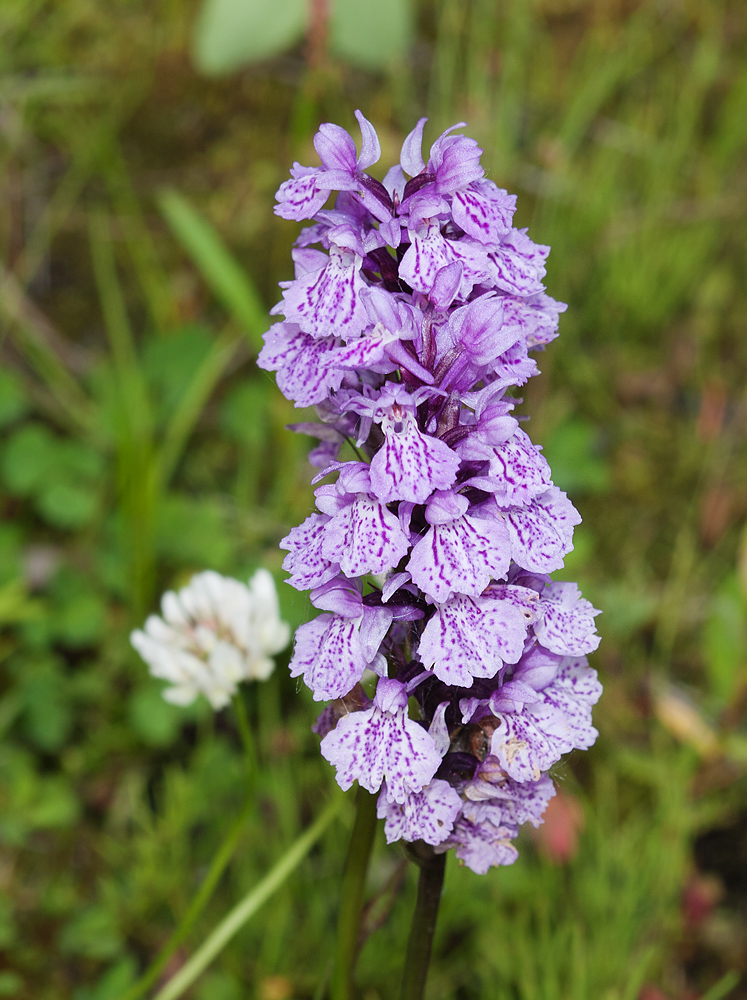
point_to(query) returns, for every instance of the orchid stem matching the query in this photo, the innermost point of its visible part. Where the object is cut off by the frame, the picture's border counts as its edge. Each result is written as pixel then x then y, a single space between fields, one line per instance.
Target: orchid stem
pixel 422 929
pixel 353 887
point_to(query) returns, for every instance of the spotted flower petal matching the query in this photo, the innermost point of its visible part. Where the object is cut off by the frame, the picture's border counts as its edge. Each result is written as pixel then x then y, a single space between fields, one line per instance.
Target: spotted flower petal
pixel 427 815
pixel 461 556
pixel 472 637
pixel 382 743
pixel 542 532
pixel 567 625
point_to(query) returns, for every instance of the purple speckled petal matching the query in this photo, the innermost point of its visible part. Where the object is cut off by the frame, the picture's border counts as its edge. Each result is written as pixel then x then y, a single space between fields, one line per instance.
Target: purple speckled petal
pixel 365 537
pixel 518 264
pixel 484 211
pixel 558 722
pixel 521 471
pixel 329 653
pixel 461 557
pixel 522 744
pixel 472 637
pixel 305 562
pixel 524 801
pixel 378 744
pixel 410 465
pixel 482 839
pixel 303 364
pixel 513 367
pixel 542 532
pixel 430 252
pixel 303 195
pixel 567 626
pixel 427 815
pixel 327 303
pixel 536 318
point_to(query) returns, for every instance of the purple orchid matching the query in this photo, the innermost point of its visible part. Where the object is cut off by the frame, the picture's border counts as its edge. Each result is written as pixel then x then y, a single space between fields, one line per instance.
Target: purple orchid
pixel 456 668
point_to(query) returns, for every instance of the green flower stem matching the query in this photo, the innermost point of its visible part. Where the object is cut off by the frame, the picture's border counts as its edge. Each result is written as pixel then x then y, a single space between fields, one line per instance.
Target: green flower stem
pixel 430 884
pixel 353 887
pixel 217 867
pixel 247 740
pixel 248 906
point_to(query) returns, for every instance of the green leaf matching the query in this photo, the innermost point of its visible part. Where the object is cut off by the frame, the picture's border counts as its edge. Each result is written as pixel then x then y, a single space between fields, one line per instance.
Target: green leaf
pixel 65 505
pixel 372 35
pixel 27 458
pixel 47 716
pixel 244 415
pixel 155 721
pixel 725 638
pixel 575 458
pixel 193 532
pixel 170 363
pixel 11 984
pixel 92 934
pixel 13 402
pixel 225 276
pixel 232 33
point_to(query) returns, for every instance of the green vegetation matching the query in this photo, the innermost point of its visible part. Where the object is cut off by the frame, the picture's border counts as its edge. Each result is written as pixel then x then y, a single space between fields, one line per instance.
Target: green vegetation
pixel 140 444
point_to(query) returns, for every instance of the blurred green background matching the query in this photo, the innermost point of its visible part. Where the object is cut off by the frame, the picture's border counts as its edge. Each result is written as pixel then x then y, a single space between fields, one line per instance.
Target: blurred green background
pixel 141 143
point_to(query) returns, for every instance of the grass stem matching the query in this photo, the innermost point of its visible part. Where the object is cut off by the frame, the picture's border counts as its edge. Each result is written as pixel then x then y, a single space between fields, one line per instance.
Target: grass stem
pixel 248 906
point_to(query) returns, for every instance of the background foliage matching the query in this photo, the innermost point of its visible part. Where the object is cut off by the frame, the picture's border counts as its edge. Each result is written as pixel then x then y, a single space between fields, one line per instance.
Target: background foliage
pixel 140 444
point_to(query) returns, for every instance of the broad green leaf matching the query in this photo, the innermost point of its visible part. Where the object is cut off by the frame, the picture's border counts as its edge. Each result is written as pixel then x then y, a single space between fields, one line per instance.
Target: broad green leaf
pixel 27 458
pixel 155 721
pixel 372 35
pixel 92 934
pixel 47 716
pixel 170 363
pixel 67 505
pixel 231 33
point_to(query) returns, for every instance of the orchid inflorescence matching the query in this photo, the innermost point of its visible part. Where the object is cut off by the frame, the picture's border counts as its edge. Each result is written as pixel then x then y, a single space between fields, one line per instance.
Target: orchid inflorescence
pixel 429 556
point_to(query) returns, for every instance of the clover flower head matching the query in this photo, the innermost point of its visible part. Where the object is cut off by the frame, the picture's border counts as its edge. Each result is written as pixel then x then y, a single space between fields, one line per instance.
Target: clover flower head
pixel 213 634
pixel 411 321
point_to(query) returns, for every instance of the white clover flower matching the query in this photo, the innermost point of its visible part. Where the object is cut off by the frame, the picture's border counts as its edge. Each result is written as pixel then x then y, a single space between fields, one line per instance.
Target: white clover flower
pixel 215 633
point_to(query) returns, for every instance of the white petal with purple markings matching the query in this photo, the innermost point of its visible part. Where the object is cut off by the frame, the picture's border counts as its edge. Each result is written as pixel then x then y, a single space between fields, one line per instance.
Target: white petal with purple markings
pixel 542 532
pixel 382 743
pixel 472 637
pixel 305 562
pixel 427 815
pixel 365 537
pixel 567 625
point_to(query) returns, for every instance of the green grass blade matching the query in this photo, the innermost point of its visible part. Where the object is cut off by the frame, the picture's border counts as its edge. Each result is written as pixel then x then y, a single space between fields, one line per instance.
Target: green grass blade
pixel 249 905
pixel 217 265
pixel 35 337
pixel 187 413
pixel 723 987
